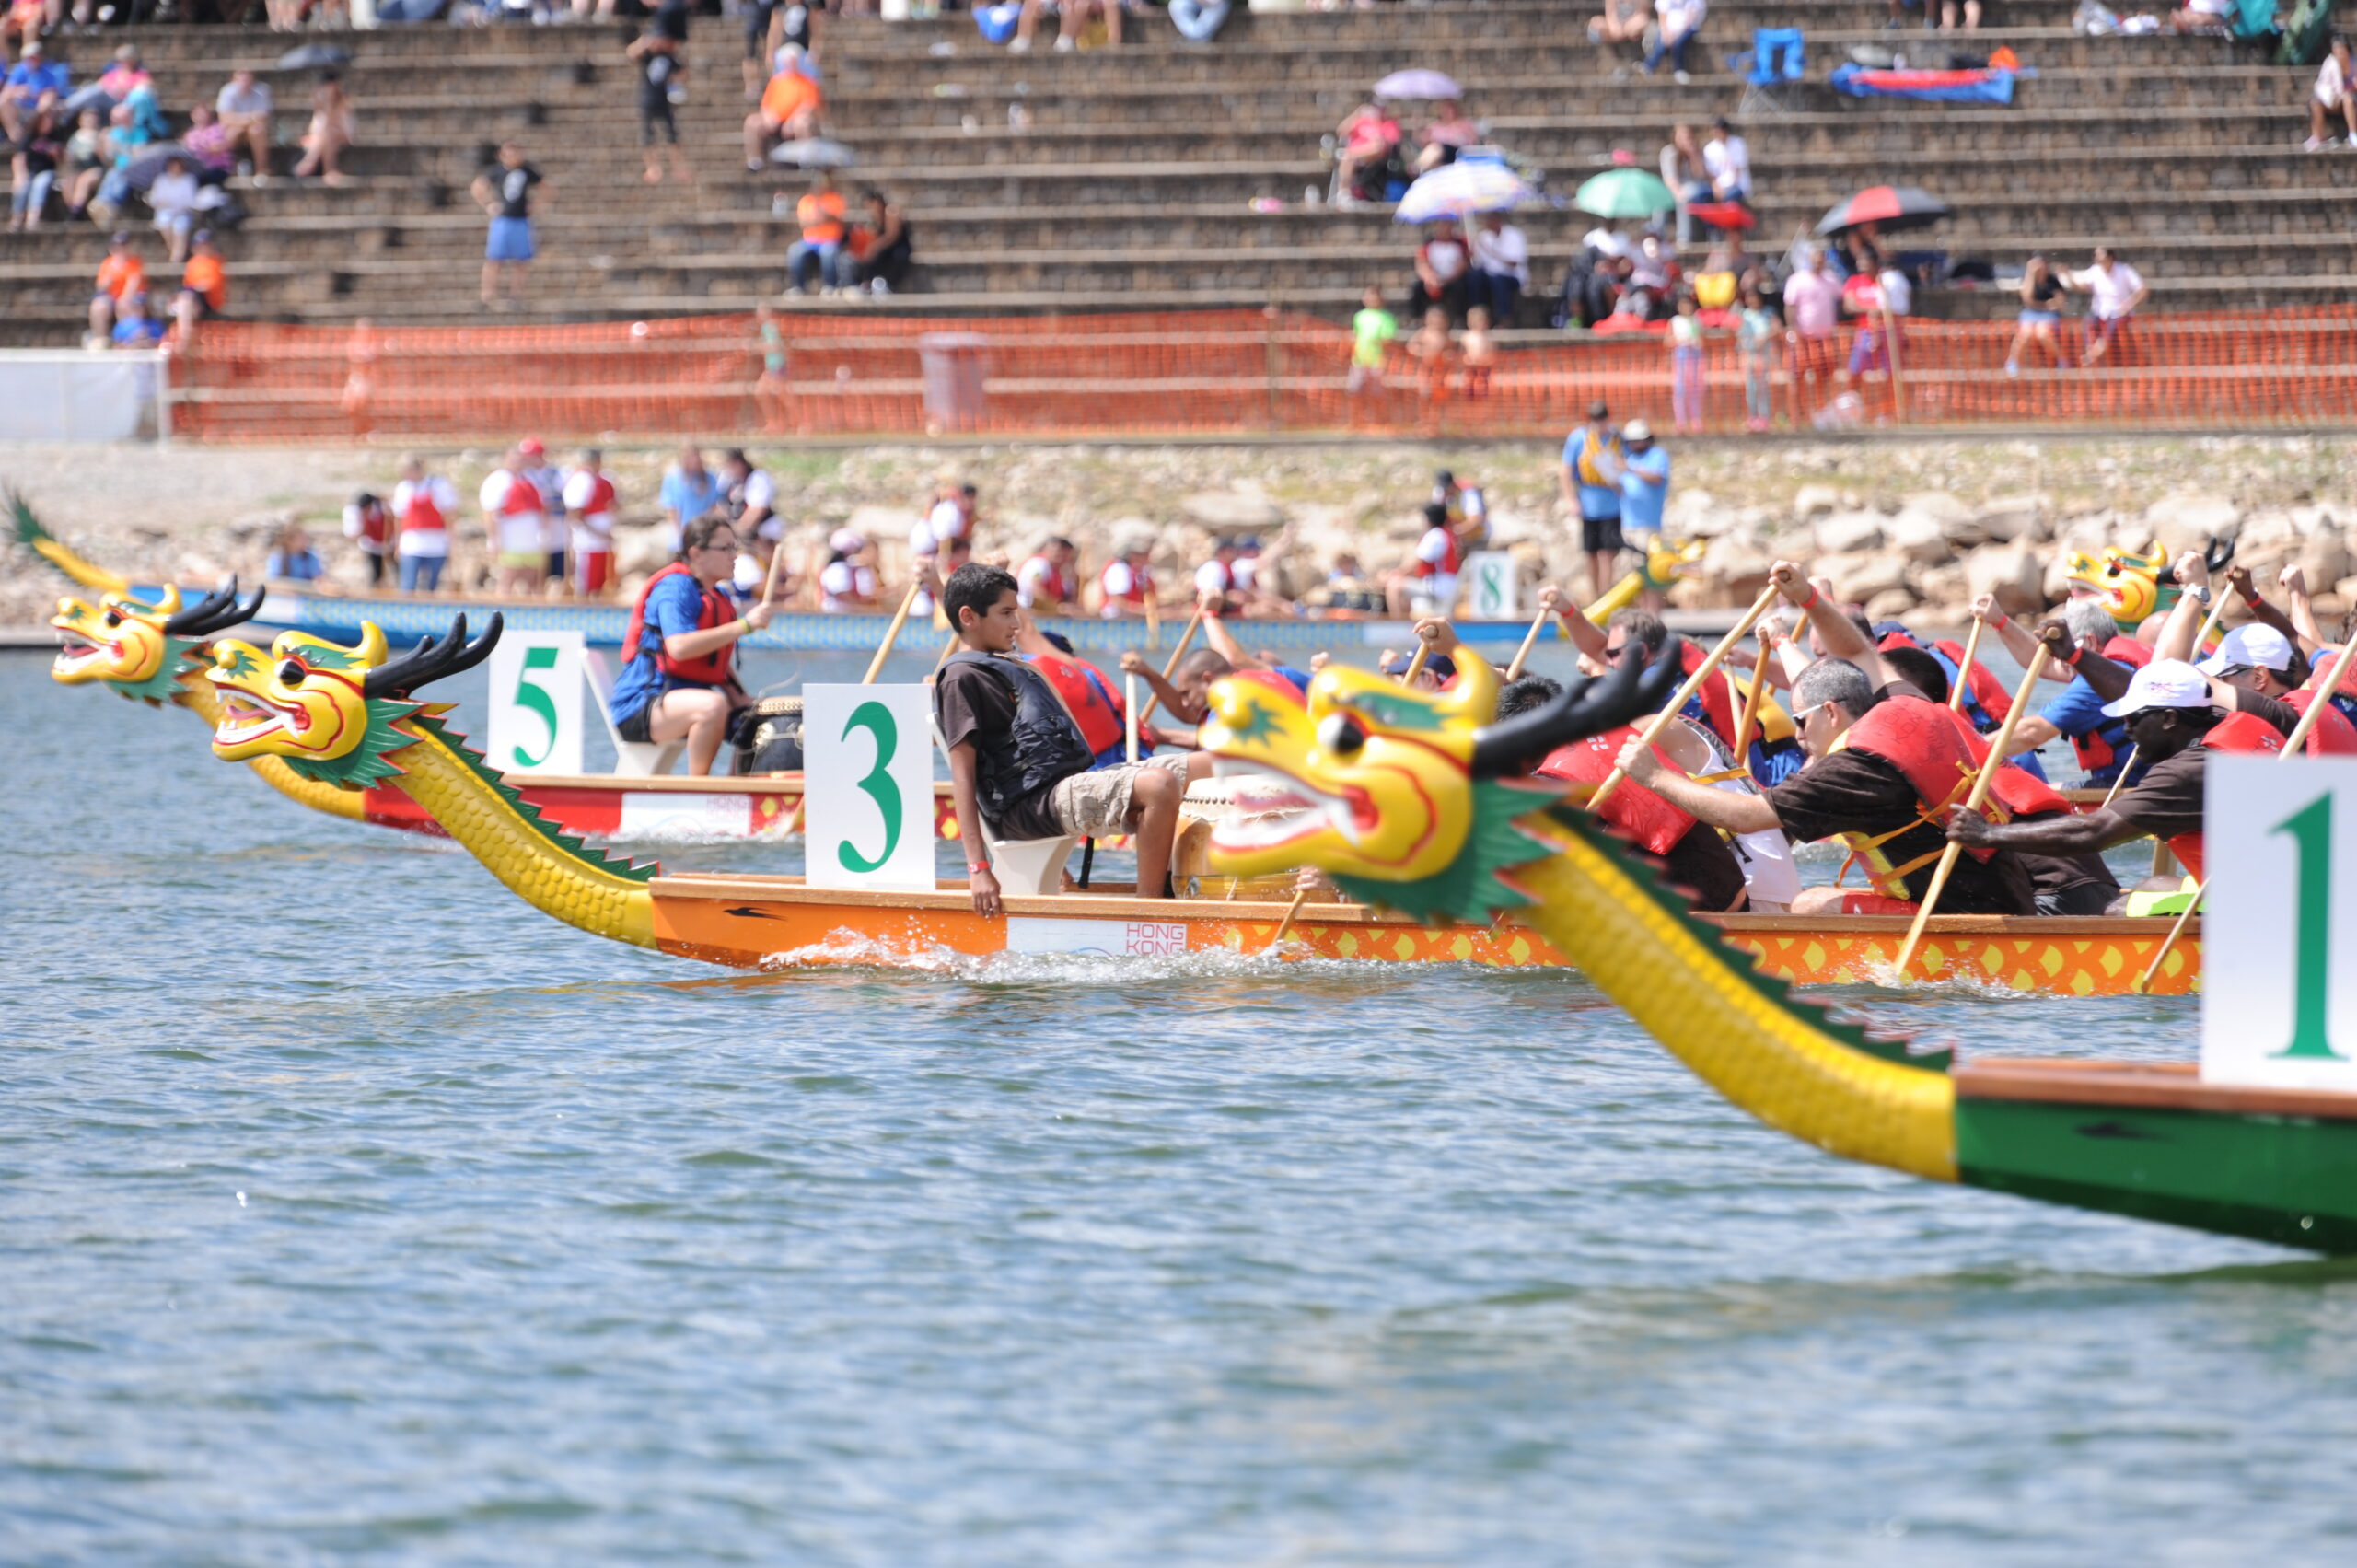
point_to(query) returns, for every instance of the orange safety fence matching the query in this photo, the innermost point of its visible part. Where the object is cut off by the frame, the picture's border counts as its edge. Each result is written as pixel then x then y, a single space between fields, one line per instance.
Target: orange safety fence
pixel 1222 373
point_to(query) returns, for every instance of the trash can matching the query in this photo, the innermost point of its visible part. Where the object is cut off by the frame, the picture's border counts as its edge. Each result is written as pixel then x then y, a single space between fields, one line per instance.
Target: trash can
pixel 955 366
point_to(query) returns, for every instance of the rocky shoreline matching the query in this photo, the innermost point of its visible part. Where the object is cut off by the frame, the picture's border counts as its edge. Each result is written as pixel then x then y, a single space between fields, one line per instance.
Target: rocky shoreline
pixel 1901 525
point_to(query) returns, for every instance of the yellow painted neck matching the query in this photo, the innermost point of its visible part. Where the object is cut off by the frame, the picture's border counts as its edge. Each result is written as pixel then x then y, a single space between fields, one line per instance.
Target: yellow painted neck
pixel 197 695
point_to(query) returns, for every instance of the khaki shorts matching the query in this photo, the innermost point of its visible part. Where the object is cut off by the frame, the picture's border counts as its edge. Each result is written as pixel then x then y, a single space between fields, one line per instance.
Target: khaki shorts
pixel 1096 805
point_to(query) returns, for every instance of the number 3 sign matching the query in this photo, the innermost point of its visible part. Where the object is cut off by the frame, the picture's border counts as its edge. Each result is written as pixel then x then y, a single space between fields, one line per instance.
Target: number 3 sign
pixel 536 703
pixel 2279 928
pixel 867 777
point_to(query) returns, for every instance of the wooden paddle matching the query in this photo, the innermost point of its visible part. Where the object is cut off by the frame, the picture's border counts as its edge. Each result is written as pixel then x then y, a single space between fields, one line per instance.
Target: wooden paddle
pixel 2120 778
pixel 1416 664
pixel 1661 721
pixel 1529 641
pixel 2291 748
pixel 1957 693
pixel 874 669
pixel 1300 898
pixel 1129 717
pixel 1752 701
pixel 1193 623
pixel 1980 783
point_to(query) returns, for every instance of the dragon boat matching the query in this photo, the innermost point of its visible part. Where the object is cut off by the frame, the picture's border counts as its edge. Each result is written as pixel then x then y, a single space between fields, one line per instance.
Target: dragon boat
pixel 1444 830
pixel 346 716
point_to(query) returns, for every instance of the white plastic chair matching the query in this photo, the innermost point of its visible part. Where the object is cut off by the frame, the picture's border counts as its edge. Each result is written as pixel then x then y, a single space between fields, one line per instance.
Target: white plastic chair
pixel 633 759
pixel 1028 866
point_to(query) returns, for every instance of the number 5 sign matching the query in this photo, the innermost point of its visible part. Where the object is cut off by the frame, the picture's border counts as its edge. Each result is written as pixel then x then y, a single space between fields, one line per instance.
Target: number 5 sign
pixel 536 703
pixel 2279 928
pixel 868 781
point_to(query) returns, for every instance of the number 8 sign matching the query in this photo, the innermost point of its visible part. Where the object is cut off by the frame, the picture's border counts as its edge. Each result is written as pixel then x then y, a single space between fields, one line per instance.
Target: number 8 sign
pixel 2278 928
pixel 536 704
pixel 867 777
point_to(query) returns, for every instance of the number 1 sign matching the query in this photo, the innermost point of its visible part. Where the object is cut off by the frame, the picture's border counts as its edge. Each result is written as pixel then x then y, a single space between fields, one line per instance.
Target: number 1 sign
pixel 867 776
pixel 2279 928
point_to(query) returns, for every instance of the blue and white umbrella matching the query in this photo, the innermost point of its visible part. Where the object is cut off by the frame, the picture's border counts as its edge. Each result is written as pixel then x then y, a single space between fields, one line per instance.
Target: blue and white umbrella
pixel 1429 85
pixel 1460 189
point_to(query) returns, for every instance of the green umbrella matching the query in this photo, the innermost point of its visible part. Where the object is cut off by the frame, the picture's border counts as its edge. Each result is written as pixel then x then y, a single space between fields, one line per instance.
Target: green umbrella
pixel 1624 194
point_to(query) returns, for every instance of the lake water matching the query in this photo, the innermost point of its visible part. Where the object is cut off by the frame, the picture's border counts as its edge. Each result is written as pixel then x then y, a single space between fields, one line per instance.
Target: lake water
pixel 352 1212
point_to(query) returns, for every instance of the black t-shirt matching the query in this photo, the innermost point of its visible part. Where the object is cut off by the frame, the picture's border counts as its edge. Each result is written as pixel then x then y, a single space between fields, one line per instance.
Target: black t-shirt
pixel 970 700
pixel 2057 874
pixel 655 69
pixel 512 188
pixel 1850 792
pixel 2169 800
pixel 1702 864
pixel 2046 294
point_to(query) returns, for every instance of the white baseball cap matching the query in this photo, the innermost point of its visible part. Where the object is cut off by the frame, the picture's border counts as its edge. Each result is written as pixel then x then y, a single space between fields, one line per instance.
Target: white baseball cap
pixel 846 542
pixel 2164 683
pixel 1637 430
pixel 2255 646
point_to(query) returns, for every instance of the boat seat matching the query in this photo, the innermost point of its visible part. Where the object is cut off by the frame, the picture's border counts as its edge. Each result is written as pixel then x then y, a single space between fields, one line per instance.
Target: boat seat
pixel 1030 866
pixel 633 759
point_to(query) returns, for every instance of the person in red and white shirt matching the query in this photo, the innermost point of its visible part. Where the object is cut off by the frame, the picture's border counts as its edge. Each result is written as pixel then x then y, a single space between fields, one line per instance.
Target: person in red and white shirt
pixel 512 514
pixel 589 507
pixel 422 507
pixel 1217 576
pixel 368 523
pixel 1428 585
pixel 1043 584
pixel 1126 585
pixel 549 480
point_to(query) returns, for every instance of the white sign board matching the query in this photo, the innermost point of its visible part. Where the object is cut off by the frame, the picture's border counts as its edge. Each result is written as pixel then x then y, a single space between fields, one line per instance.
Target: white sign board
pixel 867 780
pixel 1097 939
pixel 2278 928
pixel 536 703
pixel 1488 593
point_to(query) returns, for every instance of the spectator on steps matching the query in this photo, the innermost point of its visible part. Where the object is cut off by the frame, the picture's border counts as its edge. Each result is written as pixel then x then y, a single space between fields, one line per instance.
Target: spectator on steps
pixel 1442 262
pixel 172 198
pixel 788 111
pixel 884 246
pixel 819 252
pixel 244 106
pixel 660 75
pixel 2040 321
pixel 329 133
pixel 203 292
pixel 1949 17
pixel 2336 94
pixel 2114 290
pixel 1812 308
pixel 1756 333
pixel 33 166
pixel 30 79
pixel 207 140
pixel 1501 267
pixel 1448 133
pixel 1373 331
pixel 1623 21
pixel 1727 158
pixel 115 84
pixel 121 275
pixel 85 162
pixel 1682 171
pixel 1072 18
pixel 1479 349
pixel 1198 21
pixel 505 191
pixel 133 328
pixel 1369 138
pixel 1678 21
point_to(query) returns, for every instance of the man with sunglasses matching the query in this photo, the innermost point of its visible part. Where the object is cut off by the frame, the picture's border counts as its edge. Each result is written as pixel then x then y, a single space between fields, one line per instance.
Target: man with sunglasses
pixel 678 678
pixel 1886 765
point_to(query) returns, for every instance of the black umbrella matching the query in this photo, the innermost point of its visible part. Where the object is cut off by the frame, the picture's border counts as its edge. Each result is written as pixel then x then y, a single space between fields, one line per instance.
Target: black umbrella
pixel 141 171
pixel 314 57
pixel 1891 207
pixel 814 152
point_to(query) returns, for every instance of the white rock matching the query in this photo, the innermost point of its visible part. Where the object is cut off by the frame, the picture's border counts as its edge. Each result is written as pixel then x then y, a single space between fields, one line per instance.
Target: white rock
pixel 1815 500
pixel 1841 533
pixel 1857 578
pixel 2011 572
pixel 1735 561
pixel 881 522
pixel 1937 505
pixel 2188 519
pixel 640 551
pixel 1890 604
pixel 1920 539
pixel 1233 511
pixel 2008 518
pixel 1944 585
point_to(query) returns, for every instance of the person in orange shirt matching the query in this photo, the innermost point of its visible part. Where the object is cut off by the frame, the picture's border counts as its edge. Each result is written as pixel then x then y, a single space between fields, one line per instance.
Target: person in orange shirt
pixel 819 252
pixel 121 275
pixel 205 288
pixel 789 108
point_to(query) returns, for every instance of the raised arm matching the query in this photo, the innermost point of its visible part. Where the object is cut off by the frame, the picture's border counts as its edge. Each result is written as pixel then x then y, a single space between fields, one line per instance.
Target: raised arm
pixel 1586 636
pixel 1841 639
pixel 2019 641
pixel 2192 607
pixel 2107 678
pixel 1167 694
pixel 2239 579
pixel 1222 641
pixel 2294 583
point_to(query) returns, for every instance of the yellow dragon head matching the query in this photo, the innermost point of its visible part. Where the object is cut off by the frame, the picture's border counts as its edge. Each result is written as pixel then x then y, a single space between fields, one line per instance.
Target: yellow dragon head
pixel 1407 798
pixel 332 712
pixel 2128 584
pixel 140 647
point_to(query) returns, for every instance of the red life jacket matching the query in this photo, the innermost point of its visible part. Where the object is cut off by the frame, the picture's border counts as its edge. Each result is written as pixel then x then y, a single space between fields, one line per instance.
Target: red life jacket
pixel 1140 586
pixel 422 516
pixel 601 496
pixel 2128 651
pixel 1451 560
pixel 1098 714
pixel 2333 736
pixel 1650 821
pixel 375 524
pixel 2244 733
pixel 1923 741
pixel 1980 685
pixel 1274 682
pixel 1052 581
pixel 2019 791
pixel 712 668
pixel 1721 706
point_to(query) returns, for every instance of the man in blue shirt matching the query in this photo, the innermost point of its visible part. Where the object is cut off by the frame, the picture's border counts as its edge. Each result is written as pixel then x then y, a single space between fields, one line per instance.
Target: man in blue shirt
pixel 678 678
pixel 2077 716
pixel 133 328
pixel 1644 484
pixel 1591 481
pixel 690 489
pixel 27 79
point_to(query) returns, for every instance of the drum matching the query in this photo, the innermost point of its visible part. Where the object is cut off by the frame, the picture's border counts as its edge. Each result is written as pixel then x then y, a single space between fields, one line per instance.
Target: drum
pixel 769 737
pixel 1769 874
pixel 1208 802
